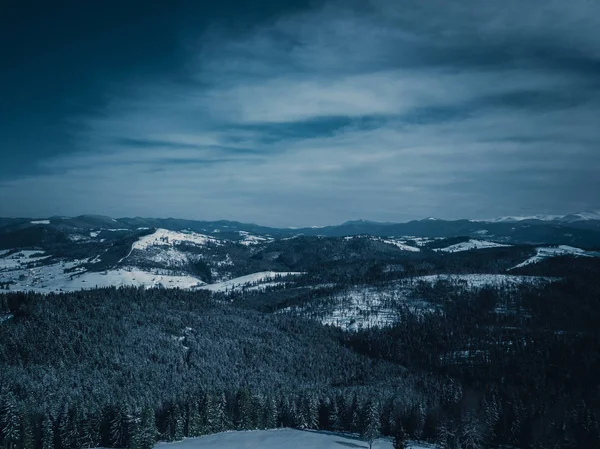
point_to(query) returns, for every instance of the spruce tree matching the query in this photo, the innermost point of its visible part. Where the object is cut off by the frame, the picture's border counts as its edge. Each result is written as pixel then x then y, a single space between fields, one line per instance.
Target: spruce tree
pixel 194 420
pixel 372 426
pixel 400 439
pixel 148 432
pixel 10 423
pixel 47 433
pixel 26 431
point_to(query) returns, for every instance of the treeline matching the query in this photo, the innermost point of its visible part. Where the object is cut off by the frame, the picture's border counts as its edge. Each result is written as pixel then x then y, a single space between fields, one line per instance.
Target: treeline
pixel 120 425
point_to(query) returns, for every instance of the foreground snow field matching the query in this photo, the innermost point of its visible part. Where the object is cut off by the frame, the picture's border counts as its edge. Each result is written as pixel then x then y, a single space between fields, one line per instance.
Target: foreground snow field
pixel 280 439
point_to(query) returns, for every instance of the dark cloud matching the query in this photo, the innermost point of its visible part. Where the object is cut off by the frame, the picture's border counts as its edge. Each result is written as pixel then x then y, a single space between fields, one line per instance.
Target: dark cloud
pixel 309 114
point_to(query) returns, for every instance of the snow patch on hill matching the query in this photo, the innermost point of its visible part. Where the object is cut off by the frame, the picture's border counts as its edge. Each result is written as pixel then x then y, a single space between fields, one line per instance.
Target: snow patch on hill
pixel 164 237
pixel 363 307
pixel 249 239
pixel 471 245
pixel 400 244
pixel 248 282
pixel 554 251
pixel 484 280
pixel 40 222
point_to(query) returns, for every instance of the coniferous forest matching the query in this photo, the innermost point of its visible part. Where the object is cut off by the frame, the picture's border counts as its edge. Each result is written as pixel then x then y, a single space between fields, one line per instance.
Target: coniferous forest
pixel 127 367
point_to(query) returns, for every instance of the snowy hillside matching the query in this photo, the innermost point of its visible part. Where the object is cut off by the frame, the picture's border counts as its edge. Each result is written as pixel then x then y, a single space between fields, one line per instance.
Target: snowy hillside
pixel 164 237
pixel 555 251
pixel 249 282
pixel 281 439
pixel 29 271
pixel 363 307
pixel 470 245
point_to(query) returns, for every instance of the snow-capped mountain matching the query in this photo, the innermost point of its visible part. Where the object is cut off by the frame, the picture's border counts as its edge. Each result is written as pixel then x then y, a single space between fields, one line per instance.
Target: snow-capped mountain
pixel 569 218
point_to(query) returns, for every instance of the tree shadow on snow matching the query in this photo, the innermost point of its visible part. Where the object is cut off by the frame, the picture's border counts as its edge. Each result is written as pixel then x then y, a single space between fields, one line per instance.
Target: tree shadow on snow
pixel 346 443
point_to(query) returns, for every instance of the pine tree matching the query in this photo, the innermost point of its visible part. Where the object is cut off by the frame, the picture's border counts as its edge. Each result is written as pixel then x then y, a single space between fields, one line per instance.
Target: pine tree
pixel 175 424
pixel 353 419
pixel 68 429
pixel 400 439
pixel 194 420
pixel 148 432
pixel 243 410
pixel 334 416
pixel 134 431
pixel 372 426
pixel 311 411
pixel 47 433
pixel 269 414
pixel 471 432
pixel 27 440
pixel 10 423
pixel 119 432
pixel 221 419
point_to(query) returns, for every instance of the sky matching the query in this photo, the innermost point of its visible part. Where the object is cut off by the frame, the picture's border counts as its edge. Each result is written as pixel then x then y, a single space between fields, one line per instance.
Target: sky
pixel 299 113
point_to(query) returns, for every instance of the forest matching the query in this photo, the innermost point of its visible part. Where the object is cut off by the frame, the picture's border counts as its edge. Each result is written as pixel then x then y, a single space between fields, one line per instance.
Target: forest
pixel 126 367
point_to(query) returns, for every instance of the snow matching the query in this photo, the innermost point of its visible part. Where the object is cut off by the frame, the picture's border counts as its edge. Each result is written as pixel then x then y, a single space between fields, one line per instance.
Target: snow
pixel 95 234
pixel 244 282
pixel 554 251
pixel 484 280
pixel 19 259
pixel 401 244
pixel 52 278
pixel 281 438
pixel 470 245
pixel 164 237
pixel 522 218
pixel 363 307
pixel 40 222
pixel 20 270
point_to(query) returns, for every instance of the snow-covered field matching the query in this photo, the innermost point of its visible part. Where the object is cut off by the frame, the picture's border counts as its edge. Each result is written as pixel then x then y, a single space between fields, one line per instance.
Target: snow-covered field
pixel 281 439
pixel 249 282
pixel 554 251
pixel 471 245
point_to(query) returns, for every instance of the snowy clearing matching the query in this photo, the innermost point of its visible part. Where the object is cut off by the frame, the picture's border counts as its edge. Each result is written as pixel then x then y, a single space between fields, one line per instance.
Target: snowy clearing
pixel 471 245
pixel 40 222
pixel 401 244
pixel 279 439
pixel 553 251
pixel 247 282
pixel 164 237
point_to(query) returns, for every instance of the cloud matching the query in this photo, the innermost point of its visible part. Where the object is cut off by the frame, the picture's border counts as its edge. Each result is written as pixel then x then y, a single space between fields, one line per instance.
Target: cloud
pixel 382 110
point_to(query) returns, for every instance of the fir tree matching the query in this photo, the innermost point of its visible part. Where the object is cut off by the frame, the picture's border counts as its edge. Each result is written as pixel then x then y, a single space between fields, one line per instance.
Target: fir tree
pixel 10 423
pixel 372 426
pixel 26 431
pixel 194 420
pixel 148 432
pixel 400 439
pixel 47 433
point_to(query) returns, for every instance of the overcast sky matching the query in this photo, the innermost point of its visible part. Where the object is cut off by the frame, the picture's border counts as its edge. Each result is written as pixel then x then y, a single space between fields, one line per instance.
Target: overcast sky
pixel 292 113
